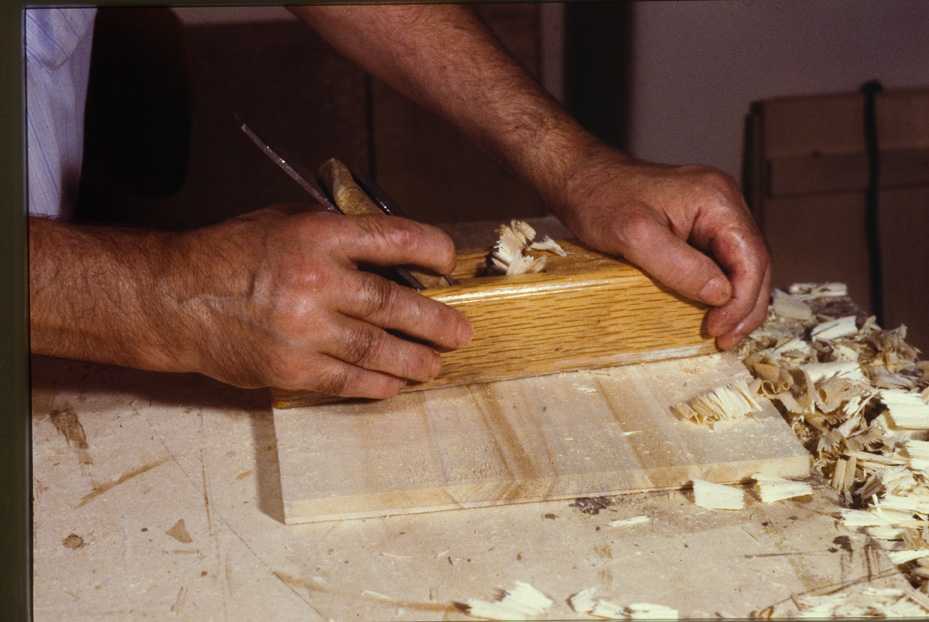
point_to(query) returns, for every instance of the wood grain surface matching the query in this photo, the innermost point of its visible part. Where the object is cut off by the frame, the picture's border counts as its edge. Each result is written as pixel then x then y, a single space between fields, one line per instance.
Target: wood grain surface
pixel 566 435
pixel 587 310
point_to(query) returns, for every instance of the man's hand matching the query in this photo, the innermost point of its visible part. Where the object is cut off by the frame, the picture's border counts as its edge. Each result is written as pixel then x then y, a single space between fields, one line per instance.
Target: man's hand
pixel 272 298
pixel 687 226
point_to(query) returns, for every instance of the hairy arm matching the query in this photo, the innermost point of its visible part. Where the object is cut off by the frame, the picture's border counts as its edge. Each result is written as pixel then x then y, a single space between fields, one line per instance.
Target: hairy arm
pixel 445 59
pixel 92 294
pixel 687 226
pixel 272 298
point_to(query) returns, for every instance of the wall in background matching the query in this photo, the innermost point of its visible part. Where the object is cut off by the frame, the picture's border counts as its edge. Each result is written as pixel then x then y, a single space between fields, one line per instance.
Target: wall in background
pixel 697 66
pixel 693 68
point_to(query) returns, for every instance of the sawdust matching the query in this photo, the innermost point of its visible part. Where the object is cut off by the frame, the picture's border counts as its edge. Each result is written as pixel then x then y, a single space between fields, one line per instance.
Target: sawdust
pixel 179 532
pixel 73 542
pixel 591 505
pixel 69 426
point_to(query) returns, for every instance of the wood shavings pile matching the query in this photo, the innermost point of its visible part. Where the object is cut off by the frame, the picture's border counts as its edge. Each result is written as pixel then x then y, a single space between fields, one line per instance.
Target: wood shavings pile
pixel 857 396
pixel 510 254
pixel 870 602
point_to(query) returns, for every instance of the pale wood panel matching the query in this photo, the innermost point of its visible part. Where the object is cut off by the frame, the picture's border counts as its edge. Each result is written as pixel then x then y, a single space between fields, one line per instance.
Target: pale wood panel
pixel 586 310
pixel 560 436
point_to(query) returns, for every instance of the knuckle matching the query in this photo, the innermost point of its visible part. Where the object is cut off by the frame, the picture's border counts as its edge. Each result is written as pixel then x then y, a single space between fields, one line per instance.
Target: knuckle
pixel 445 249
pixel 378 296
pixel 637 227
pixel 718 186
pixel 411 237
pixel 361 344
pixel 333 380
pixel 416 364
pixel 711 177
pixel 385 230
pixel 286 370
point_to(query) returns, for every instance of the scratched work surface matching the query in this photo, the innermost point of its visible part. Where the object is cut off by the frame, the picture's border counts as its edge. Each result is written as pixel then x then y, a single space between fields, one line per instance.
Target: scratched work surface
pixel 583 433
pixel 158 497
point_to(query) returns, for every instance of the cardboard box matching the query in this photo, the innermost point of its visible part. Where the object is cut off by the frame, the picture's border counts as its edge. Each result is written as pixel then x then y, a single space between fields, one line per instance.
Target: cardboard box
pixel 806 179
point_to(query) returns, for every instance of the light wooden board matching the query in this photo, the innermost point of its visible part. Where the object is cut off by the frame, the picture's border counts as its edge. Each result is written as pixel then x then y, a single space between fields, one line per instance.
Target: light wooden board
pixel 584 433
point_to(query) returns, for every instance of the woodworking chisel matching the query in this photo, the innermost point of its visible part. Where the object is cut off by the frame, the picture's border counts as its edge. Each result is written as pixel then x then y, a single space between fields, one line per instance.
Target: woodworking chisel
pixel 376 200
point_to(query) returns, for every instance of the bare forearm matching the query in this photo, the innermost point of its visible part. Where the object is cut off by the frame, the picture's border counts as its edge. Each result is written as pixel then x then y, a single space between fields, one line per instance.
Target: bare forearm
pixel 270 298
pixel 444 58
pixel 99 294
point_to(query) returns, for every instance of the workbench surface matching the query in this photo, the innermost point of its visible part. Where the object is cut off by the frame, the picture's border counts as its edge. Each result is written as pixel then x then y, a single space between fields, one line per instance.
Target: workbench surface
pixel 158 496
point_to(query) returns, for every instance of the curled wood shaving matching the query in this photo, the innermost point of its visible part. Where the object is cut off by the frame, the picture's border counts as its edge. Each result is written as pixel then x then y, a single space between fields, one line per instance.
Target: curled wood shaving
pixel 635 520
pixel 730 402
pixel 833 329
pixel 902 557
pixel 583 601
pixel 510 256
pixel 608 610
pixel 868 602
pixel 790 306
pixel 648 611
pixel 550 245
pixel 819 290
pixel 907 410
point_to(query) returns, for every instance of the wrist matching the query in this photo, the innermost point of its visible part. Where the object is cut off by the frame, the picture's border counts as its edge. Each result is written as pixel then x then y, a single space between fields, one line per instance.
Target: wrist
pixel 569 165
pixel 95 295
pixel 171 320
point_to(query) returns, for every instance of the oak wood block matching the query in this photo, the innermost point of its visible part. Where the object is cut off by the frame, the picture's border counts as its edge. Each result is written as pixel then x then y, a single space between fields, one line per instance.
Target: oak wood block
pixel 586 310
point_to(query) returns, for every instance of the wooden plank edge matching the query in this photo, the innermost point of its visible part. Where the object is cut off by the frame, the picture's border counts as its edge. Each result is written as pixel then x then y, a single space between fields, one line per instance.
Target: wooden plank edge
pixel 493 494
pixel 284 400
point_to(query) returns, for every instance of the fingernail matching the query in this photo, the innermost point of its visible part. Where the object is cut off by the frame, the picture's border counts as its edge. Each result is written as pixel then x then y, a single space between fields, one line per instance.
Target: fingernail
pixel 715 292
pixel 465 332
pixel 436 366
pixel 730 340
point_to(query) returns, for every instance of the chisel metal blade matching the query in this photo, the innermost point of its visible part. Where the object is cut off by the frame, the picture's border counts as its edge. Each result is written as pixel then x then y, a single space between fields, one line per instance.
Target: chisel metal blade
pixel 275 153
